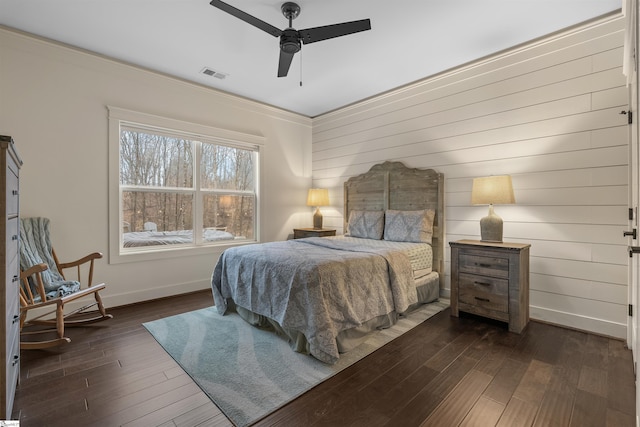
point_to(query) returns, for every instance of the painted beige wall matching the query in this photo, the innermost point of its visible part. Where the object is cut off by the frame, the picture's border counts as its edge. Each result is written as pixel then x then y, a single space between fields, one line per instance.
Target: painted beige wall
pixel 546 113
pixel 54 104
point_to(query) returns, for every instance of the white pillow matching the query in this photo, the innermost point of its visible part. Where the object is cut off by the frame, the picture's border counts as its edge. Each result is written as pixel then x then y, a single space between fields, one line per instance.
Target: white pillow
pixel 409 226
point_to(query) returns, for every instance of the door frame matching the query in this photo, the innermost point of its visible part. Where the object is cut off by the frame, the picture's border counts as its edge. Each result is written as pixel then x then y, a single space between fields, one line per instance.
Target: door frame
pixel 632 63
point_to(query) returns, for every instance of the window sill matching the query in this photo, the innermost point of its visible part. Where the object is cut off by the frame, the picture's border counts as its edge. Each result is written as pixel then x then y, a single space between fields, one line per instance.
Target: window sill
pixel 162 253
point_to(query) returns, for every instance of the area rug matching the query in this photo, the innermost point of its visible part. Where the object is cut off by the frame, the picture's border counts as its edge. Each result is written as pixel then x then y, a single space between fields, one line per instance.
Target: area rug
pixel 248 372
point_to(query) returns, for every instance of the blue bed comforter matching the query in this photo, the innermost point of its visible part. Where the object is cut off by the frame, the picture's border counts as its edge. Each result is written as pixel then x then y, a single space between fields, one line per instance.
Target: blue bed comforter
pixel 318 286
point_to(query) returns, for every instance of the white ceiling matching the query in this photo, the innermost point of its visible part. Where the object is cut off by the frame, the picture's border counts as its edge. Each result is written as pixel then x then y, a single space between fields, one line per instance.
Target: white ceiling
pixel 409 40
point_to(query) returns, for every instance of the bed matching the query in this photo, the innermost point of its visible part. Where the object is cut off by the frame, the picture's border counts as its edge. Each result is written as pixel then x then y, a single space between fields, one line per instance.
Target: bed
pixel 157 238
pixel 325 294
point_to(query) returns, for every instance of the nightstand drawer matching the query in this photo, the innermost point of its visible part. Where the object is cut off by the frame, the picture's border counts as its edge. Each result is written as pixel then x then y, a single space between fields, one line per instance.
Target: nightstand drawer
pixel 486 292
pixel 484 265
pixel 484 312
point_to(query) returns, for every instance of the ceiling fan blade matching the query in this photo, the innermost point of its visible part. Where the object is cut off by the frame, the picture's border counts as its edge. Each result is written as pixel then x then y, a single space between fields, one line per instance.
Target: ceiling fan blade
pixel 285 63
pixel 312 35
pixel 276 32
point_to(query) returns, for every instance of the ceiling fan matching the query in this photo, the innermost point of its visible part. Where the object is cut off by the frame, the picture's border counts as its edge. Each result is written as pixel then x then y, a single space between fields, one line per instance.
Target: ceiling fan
pixel 290 38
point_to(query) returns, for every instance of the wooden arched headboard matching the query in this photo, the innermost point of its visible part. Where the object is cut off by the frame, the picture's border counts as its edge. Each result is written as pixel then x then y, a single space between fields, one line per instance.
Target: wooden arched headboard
pixel 392 185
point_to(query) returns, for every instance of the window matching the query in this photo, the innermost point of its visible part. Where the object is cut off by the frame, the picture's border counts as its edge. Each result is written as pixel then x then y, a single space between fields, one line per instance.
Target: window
pixel 180 189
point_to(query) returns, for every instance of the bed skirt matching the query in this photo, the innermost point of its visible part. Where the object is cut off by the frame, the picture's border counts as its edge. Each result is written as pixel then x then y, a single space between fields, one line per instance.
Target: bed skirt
pixel 428 288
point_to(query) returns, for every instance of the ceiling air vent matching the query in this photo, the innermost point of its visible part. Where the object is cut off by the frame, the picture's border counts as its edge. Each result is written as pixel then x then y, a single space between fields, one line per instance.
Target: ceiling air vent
pixel 213 73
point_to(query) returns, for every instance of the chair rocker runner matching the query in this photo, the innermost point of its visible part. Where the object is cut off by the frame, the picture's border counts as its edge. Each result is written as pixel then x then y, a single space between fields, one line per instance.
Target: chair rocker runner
pixel 44 290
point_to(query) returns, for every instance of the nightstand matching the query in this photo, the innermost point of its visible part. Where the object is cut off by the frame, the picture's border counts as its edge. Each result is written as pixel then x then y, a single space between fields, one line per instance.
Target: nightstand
pixel 299 233
pixel 491 280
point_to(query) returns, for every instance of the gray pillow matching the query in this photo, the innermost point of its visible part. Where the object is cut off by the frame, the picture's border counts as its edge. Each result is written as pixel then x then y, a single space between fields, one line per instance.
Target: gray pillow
pixel 409 226
pixel 366 224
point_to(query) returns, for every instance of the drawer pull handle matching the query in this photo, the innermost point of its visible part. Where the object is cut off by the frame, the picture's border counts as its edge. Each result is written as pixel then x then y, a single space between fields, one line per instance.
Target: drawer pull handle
pixel 14 192
pixel 482 283
pixel 479 264
pixel 483 299
pixel 14 237
pixel 15 361
pixel 15 319
pixel 15 278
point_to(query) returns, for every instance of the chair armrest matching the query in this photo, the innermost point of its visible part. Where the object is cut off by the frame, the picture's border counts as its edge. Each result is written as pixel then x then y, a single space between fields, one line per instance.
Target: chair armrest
pixel 77 264
pixel 38 268
pixel 83 260
pixel 57 301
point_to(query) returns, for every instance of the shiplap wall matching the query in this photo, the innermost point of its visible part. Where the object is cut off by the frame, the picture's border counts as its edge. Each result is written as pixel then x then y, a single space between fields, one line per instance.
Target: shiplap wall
pixel 548 114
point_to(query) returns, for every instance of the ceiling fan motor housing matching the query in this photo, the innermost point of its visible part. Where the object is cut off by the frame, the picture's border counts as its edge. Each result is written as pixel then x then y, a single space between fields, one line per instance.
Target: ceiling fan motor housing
pixel 290 41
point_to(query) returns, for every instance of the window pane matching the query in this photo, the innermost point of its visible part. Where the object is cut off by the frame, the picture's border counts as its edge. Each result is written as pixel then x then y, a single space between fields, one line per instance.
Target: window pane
pixel 226 168
pixel 234 214
pixel 156 218
pixel 155 160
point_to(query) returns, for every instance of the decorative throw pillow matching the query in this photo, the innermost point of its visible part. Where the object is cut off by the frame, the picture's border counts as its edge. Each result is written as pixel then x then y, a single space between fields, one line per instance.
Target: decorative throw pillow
pixel 366 224
pixel 409 226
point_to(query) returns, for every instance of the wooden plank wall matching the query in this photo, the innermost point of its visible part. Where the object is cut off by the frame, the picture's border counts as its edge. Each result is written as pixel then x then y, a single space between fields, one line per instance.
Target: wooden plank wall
pixel 548 114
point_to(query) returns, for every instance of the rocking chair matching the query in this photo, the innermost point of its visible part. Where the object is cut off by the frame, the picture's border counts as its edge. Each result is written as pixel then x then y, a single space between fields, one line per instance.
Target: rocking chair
pixel 44 290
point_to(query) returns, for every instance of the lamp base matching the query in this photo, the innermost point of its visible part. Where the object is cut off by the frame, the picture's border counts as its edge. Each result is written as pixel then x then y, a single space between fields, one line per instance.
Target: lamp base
pixel 491 227
pixel 317 219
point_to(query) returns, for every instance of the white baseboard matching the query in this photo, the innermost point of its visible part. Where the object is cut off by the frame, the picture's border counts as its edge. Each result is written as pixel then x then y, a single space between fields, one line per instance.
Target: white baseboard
pixel 130 297
pixel 571 320
pixel 154 293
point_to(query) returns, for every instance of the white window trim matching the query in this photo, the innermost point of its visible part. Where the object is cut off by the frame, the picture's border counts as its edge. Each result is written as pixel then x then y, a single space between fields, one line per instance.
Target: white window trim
pixel 227 137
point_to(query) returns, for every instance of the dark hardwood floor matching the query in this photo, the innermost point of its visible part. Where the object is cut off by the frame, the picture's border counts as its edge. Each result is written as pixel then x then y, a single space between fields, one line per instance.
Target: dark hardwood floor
pixel 446 372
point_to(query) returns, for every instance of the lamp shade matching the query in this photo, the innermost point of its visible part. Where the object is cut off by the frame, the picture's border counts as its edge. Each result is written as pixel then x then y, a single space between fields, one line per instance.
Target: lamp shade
pixel 492 190
pixel 318 197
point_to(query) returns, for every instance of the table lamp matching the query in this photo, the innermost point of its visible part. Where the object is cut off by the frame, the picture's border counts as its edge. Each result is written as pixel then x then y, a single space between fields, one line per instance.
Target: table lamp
pixel 317 197
pixel 492 190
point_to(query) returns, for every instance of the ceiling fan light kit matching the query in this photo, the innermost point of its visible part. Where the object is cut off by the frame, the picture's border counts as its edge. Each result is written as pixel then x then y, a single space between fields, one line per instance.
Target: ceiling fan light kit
pixel 291 39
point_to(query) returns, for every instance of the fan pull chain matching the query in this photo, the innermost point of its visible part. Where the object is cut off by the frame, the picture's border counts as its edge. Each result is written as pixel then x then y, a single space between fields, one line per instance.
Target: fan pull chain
pixel 301 68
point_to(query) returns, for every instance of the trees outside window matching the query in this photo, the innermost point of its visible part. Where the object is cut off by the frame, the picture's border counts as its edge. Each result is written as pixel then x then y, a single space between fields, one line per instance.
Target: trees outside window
pixel 180 189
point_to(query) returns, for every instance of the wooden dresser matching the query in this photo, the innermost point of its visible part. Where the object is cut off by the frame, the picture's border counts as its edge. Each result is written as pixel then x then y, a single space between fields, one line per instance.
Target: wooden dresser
pixel 10 264
pixel 299 233
pixel 491 280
